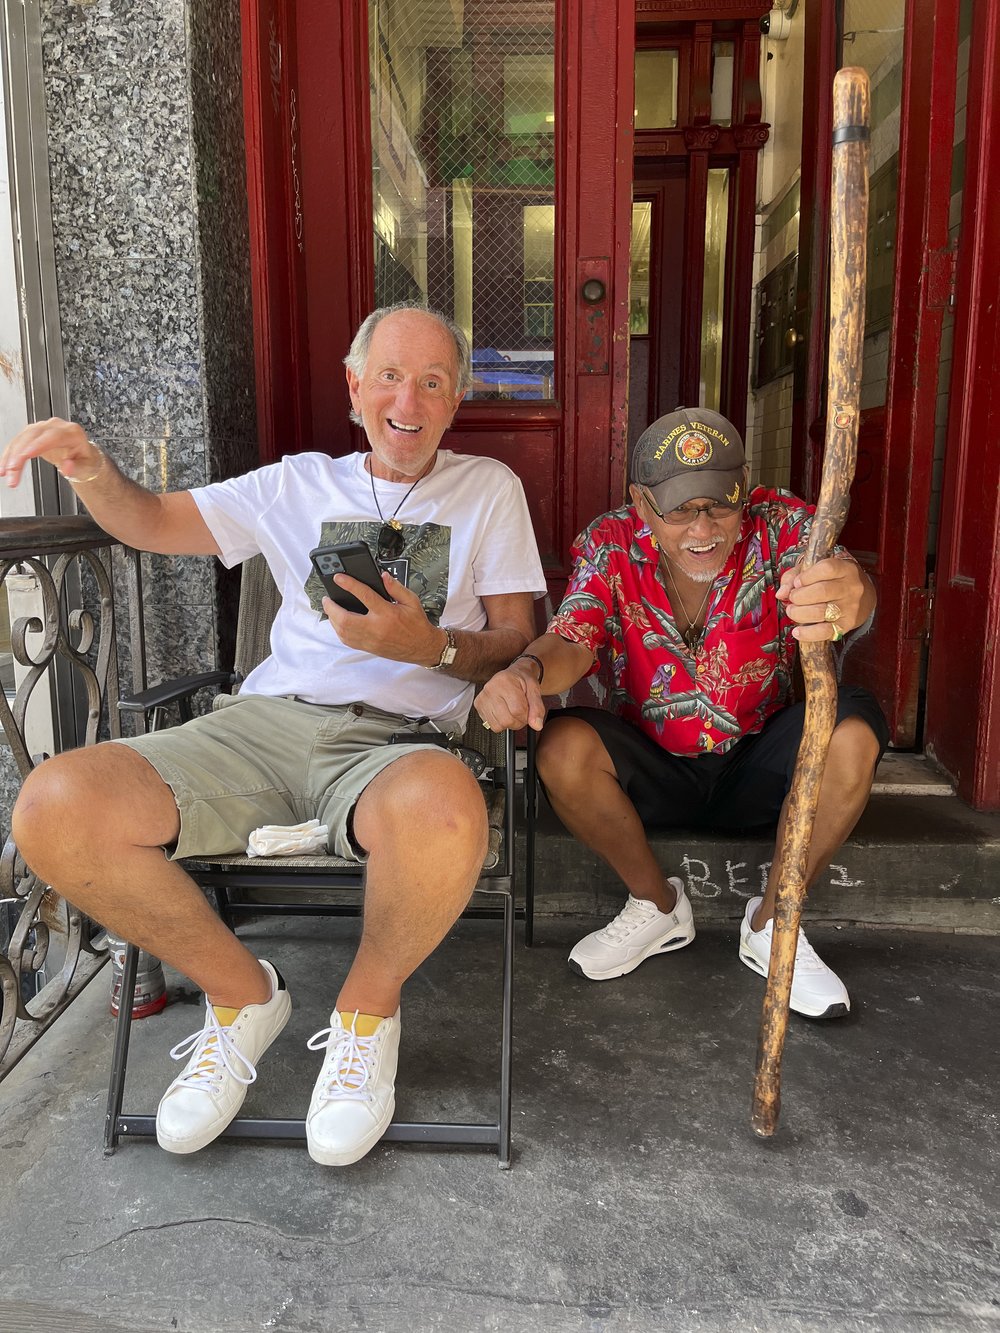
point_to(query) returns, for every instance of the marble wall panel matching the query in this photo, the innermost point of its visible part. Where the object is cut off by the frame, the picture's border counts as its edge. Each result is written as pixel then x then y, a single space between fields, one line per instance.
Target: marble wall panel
pixel 223 234
pixel 148 189
pixel 121 181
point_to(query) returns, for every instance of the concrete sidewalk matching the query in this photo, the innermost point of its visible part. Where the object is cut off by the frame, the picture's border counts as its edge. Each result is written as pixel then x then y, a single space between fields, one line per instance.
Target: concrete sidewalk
pixel 639 1198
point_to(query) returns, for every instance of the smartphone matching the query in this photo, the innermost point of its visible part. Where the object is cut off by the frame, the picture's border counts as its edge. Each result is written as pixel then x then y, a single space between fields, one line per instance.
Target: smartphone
pixel 355 559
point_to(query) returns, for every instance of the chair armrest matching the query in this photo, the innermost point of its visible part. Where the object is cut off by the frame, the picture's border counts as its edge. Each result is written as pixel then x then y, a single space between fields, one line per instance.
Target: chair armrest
pixel 170 691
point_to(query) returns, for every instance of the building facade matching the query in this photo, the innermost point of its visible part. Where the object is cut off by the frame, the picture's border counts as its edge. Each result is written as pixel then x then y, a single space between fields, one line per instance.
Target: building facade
pixel 624 204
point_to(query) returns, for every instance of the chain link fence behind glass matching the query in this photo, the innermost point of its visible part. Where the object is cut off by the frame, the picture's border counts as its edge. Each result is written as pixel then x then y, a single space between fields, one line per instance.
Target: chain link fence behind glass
pixel 463 135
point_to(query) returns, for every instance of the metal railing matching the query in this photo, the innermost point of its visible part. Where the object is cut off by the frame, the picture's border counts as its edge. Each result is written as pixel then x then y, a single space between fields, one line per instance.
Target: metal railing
pixel 64 578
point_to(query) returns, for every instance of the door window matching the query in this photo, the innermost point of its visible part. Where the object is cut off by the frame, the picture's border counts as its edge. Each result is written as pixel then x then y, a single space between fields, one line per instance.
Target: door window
pixel 656 89
pixel 713 305
pixel 463 134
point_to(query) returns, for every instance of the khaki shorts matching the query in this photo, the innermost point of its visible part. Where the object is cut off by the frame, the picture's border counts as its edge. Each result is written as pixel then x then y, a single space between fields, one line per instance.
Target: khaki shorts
pixel 261 760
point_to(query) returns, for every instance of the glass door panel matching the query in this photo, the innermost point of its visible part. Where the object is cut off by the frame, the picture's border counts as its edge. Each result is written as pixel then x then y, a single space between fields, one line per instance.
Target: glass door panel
pixel 463 167
pixel 713 305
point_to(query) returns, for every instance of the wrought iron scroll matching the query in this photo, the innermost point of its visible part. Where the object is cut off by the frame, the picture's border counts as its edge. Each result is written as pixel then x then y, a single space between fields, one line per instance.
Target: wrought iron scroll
pixel 71 648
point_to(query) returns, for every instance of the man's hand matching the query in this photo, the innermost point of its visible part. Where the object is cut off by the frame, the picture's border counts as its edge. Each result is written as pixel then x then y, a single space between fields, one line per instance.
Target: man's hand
pixel 398 629
pixel 64 444
pixel 838 584
pixel 512 699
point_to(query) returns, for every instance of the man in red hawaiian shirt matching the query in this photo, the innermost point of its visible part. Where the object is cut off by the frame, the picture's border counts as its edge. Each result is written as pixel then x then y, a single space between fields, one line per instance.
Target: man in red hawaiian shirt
pixel 694 596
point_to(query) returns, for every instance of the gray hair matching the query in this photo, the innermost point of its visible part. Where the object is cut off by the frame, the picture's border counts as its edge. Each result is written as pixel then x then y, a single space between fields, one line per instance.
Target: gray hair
pixel 357 357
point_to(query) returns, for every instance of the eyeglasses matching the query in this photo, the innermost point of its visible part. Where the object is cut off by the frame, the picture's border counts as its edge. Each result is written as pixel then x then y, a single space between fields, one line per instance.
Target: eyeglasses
pixel 686 514
pixel 390 542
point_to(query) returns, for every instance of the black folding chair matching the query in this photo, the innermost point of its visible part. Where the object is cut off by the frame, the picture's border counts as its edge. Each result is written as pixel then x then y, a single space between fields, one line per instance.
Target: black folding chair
pixel 243 886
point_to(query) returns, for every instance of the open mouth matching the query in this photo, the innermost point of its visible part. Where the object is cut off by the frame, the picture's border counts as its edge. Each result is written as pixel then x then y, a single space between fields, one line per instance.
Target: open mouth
pixel 703 551
pixel 404 428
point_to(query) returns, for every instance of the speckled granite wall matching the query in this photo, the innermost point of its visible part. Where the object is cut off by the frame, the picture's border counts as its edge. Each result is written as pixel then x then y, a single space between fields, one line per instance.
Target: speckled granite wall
pixel 149 216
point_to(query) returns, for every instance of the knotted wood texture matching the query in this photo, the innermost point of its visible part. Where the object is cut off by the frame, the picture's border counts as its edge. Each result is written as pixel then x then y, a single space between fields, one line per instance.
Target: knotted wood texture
pixel 848 250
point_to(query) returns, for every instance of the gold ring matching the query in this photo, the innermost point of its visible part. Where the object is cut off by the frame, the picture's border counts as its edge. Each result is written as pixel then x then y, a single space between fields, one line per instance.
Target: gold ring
pixel 838 634
pixel 832 613
pixel 487 727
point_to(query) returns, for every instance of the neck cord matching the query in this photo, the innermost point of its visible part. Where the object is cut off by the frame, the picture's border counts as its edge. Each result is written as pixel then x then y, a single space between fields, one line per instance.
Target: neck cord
pixel 393 522
pixel 694 633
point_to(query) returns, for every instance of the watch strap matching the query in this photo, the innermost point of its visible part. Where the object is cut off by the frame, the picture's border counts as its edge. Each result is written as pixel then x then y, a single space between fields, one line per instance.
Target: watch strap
pixel 448 652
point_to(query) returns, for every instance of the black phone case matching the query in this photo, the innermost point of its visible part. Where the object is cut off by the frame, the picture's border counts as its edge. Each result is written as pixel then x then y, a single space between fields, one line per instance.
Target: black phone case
pixel 354 559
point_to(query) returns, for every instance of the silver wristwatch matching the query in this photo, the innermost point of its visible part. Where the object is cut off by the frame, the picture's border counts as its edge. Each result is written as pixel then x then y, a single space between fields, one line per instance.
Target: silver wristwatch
pixel 448 653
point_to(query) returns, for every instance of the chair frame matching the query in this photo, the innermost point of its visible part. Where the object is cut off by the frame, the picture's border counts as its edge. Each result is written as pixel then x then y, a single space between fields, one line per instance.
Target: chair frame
pixel 226 877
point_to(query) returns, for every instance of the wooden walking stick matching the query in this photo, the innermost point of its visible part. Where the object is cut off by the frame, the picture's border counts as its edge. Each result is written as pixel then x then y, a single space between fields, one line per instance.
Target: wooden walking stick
pixel 848 245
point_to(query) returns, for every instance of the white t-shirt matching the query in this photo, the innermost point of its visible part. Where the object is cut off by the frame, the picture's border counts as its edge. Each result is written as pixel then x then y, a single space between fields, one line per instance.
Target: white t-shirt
pixel 467 535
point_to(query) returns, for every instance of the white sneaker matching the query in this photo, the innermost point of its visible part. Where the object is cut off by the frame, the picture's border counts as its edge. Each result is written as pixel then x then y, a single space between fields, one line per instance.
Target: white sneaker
pixel 201 1101
pixel 638 931
pixel 355 1095
pixel 817 991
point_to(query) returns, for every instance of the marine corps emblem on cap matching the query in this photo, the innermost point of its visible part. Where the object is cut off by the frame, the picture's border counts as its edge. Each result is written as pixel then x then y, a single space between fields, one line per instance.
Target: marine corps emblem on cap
pixel 690 454
pixel 693 449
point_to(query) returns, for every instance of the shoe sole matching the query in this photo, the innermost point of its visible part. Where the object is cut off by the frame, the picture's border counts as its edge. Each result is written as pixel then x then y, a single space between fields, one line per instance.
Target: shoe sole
pixel 667 946
pixel 836 1010
pixel 326 1157
pixel 181 1147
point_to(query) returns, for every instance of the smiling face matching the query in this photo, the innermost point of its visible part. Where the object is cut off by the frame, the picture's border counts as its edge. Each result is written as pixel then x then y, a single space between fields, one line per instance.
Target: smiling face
pixel 407 393
pixel 698 550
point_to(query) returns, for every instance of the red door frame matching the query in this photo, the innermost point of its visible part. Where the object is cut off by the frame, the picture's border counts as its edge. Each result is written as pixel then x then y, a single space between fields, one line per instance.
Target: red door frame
pixel 963 691
pixel 888 526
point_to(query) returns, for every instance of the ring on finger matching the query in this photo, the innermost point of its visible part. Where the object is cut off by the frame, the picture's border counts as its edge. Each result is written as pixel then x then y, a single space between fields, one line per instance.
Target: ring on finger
pixel 836 634
pixel 487 727
pixel 832 613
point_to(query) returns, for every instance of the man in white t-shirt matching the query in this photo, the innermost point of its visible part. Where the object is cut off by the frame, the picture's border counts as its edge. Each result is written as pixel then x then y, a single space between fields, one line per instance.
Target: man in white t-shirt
pixel 307 735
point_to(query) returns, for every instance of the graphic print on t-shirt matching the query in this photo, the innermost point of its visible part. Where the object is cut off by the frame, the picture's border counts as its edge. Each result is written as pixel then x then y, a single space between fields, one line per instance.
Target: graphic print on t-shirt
pixel 424 560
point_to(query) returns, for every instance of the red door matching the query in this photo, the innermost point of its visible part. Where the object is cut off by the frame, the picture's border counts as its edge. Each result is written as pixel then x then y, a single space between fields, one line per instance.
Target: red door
pixel 909 263
pixel 963 689
pixel 476 156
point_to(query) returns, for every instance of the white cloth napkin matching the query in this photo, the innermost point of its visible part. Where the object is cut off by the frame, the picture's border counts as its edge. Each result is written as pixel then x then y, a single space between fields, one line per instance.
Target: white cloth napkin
pixel 288 839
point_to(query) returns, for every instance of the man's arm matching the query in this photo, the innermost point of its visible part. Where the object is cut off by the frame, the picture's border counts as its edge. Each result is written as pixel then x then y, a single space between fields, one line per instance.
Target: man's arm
pixel 400 630
pixel 513 698
pixel 168 524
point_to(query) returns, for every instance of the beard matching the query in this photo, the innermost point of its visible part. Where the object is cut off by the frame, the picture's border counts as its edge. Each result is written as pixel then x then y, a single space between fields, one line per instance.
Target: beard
pixel 709 573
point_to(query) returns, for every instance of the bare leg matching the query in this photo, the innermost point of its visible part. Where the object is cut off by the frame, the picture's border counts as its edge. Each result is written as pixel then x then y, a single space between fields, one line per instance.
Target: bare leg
pixel 92 823
pixel 843 795
pixel 584 791
pixel 423 823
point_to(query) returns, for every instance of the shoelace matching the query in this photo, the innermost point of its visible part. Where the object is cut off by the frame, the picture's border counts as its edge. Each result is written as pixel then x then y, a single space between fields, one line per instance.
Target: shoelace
pixel 347 1068
pixel 213 1048
pixel 806 957
pixel 636 912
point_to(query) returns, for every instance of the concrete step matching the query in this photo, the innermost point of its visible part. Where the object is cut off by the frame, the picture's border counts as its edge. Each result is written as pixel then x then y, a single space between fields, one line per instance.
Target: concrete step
pixel 915 859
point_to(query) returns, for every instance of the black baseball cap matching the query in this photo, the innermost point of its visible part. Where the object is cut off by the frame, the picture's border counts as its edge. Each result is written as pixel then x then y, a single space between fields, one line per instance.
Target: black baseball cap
pixel 687 454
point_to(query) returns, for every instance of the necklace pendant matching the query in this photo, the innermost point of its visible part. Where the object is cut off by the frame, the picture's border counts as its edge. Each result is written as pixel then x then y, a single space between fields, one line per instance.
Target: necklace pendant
pixel 692 637
pixel 394 522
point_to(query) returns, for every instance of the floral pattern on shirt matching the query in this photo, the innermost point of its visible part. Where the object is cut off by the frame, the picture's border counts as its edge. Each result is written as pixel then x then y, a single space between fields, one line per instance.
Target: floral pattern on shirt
pixel 617 605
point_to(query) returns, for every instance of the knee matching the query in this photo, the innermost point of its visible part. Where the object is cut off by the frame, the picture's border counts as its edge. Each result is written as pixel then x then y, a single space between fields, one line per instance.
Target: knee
pixel 434 798
pixel 566 752
pixel 855 749
pixel 52 800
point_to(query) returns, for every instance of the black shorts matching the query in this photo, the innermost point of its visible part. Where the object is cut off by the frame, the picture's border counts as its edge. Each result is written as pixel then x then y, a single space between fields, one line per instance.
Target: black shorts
pixel 740 790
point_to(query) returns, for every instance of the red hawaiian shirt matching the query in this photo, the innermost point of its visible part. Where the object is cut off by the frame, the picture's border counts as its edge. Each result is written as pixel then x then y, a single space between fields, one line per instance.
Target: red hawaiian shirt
pixel 618 607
